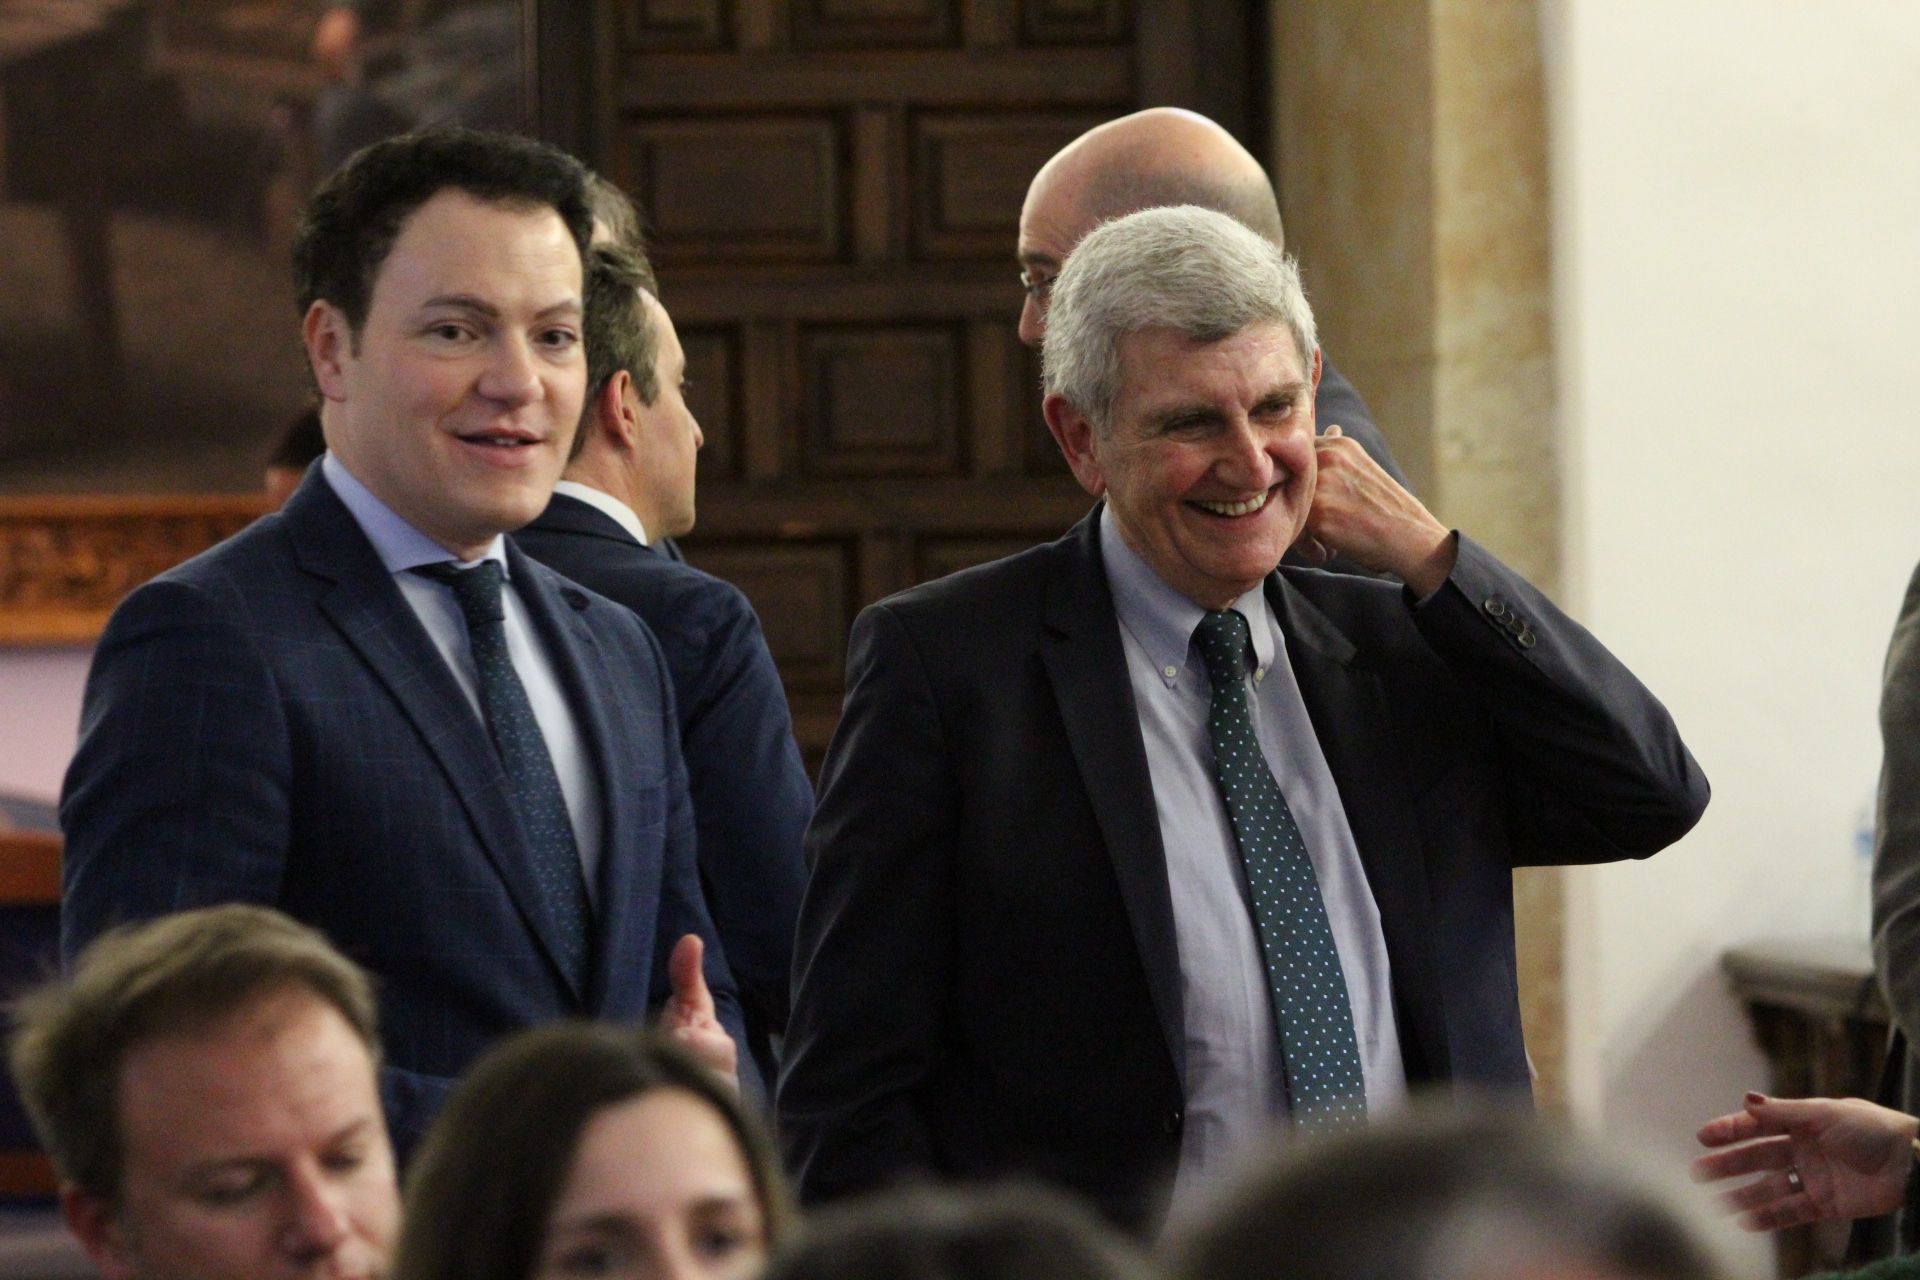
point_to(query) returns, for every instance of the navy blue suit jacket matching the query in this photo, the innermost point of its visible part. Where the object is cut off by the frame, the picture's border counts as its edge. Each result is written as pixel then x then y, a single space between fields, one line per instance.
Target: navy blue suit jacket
pixel 751 795
pixel 987 981
pixel 270 723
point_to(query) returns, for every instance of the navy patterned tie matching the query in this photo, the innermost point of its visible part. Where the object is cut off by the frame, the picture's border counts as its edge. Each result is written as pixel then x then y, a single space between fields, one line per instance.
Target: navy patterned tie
pixel 533 785
pixel 1325 1088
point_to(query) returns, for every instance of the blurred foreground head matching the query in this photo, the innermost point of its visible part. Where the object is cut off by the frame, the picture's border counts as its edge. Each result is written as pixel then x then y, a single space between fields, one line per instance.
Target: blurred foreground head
pixel 1479 1198
pixel 1005 1233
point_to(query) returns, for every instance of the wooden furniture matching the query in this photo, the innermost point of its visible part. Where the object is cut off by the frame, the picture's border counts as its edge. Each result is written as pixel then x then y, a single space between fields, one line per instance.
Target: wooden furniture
pixel 1820 1018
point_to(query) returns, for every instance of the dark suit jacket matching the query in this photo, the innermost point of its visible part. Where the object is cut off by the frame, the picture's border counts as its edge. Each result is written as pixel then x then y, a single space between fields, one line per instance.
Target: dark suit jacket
pixel 269 722
pixel 751 794
pixel 987 978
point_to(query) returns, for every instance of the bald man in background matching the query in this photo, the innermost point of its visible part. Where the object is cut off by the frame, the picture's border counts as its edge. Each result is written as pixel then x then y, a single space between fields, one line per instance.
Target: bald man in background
pixel 1165 156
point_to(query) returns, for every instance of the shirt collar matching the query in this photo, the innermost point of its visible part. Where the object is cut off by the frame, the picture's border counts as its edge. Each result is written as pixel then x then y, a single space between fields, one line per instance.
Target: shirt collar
pixel 1160 619
pixel 600 500
pixel 399 544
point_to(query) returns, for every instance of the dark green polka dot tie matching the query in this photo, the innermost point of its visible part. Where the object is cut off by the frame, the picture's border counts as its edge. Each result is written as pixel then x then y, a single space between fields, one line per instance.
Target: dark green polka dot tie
pixel 1325 1088
pixel 533 785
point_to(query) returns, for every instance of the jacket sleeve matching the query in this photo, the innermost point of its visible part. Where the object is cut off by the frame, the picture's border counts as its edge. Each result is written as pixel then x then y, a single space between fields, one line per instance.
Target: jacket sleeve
pixel 751 799
pixel 177 795
pixel 1592 765
pixel 875 940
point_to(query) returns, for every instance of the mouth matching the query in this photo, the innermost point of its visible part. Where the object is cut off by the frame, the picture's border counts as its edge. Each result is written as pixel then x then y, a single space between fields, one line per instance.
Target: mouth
pixel 503 438
pixel 1236 510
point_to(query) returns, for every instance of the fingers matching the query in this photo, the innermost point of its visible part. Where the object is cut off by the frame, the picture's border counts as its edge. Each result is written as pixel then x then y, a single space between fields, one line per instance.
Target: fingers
pixel 688 977
pixel 1721 1130
pixel 1332 431
pixel 1754 1157
pixel 1789 1212
pixel 1762 1192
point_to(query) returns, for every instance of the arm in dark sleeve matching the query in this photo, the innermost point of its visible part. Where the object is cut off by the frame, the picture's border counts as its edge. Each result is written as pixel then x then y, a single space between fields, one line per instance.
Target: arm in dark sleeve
pixel 1338 404
pixel 1594 769
pixel 751 799
pixel 683 902
pixel 178 793
pixel 1896 855
pixel 871 963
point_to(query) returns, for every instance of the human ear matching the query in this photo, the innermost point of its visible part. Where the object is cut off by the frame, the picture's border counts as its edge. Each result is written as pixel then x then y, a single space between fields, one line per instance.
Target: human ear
pixel 1075 435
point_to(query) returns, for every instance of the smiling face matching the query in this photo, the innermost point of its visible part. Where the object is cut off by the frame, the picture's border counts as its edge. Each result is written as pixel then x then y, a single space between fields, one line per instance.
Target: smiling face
pixel 458 400
pixel 659 1190
pixel 252 1149
pixel 1207 465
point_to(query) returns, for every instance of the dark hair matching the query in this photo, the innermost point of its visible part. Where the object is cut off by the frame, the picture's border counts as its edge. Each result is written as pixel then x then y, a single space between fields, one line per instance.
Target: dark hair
pixel 1446 1198
pixel 177 974
pixel 996 1233
pixel 486 1178
pixel 619 330
pixel 351 222
pixel 300 443
pixel 615 212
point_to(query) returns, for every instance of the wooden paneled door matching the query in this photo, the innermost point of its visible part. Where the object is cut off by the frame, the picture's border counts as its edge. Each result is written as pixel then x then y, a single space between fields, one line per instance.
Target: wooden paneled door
pixel 832 189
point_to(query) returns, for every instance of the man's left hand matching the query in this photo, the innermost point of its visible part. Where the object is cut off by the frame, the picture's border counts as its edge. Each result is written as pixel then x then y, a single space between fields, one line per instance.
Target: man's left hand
pixel 689 1015
pixel 1361 512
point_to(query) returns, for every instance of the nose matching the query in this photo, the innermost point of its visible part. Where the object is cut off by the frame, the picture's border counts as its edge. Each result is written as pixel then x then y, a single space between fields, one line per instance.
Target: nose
pixel 1033 321
pixel 511 375
pixel 699 436
pixel 1247 458
pixel 317 1220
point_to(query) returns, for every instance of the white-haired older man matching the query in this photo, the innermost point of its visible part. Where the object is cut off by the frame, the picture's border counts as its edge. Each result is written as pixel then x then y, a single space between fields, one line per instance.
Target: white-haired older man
pixel 1129 842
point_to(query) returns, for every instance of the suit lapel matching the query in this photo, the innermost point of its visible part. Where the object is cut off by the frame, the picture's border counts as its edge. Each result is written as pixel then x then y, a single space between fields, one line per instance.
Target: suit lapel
pixel 1088 668
pixel 1350 718
pixel 556 611
pixel 363 601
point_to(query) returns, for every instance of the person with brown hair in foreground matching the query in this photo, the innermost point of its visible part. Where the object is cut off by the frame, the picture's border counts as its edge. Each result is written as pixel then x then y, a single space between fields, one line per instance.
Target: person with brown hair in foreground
pixel 205 1086
pixel 583 1149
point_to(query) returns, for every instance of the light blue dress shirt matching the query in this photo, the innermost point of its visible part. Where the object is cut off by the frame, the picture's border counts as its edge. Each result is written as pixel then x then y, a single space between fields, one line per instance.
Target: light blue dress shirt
pixel 402 548
pixel 1234 1084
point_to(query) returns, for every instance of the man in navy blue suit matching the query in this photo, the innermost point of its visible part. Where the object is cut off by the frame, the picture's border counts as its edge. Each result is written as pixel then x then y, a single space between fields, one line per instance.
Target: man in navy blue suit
pixel 630 486
pixel 370 710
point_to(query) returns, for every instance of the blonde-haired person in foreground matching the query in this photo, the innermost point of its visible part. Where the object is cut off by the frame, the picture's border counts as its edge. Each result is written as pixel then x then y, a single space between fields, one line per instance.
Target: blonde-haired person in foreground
pixel 1439 1198
pixel 205 1085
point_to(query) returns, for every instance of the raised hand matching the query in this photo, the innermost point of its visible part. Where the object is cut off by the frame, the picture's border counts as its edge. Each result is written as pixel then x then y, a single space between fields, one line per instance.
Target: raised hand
pixel 1361 512
pixel 1820 1157
pixel 689 1015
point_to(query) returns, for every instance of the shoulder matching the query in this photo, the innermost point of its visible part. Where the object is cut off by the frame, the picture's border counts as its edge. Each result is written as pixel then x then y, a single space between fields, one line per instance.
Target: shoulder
pixel 1010 588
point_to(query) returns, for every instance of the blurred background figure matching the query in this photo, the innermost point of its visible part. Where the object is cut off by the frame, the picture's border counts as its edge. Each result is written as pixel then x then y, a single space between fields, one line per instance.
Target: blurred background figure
pixel 1005 1233
pixel 590 1150
pixel 295 451
pixel 1481 1198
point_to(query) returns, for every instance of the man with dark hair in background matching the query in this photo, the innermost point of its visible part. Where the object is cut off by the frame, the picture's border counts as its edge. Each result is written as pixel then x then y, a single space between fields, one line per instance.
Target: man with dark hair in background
pixel 631 482
pixel 373 711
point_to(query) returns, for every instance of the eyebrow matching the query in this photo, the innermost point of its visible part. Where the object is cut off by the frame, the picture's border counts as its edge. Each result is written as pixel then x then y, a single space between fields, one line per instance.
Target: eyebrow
pixel 1036 259
pixel 480 306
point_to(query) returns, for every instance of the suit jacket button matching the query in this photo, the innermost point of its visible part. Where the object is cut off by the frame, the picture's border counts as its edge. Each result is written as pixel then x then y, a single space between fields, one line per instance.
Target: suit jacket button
pixel 1526 640
pixel 1495 606
pixel 1170 1122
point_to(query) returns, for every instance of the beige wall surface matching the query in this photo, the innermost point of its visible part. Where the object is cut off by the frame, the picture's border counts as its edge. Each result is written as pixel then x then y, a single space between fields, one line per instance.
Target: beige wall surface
pixel 1737 293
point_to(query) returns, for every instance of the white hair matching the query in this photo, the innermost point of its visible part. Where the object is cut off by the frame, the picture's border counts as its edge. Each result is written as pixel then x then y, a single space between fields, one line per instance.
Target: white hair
pixel 1183 268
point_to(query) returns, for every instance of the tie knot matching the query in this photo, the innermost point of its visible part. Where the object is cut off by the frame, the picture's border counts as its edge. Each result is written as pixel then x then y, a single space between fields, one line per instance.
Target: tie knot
pixel 1223 636
pixel 476 589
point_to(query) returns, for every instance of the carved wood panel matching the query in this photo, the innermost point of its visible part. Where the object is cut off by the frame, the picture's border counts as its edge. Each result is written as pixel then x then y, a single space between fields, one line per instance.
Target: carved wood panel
pixel 833 189
pixel 66 562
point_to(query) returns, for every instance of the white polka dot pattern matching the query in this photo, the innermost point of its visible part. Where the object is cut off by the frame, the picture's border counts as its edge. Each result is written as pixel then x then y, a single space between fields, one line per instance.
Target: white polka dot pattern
pixel 533 786
pixel 1325 1088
